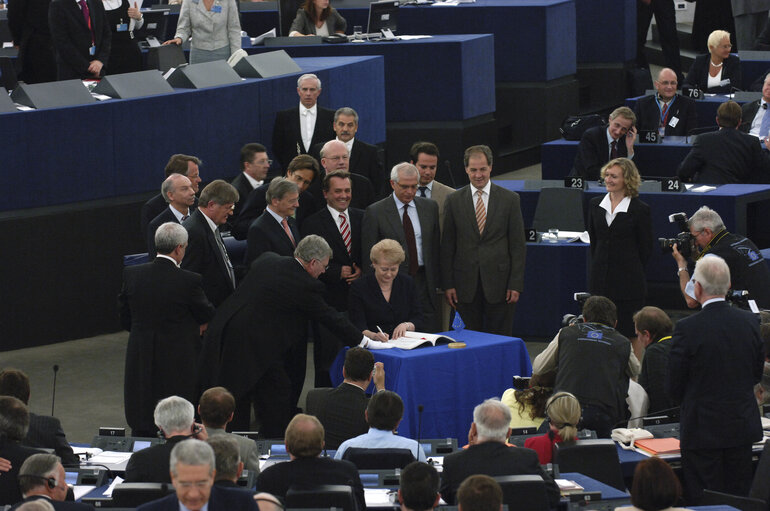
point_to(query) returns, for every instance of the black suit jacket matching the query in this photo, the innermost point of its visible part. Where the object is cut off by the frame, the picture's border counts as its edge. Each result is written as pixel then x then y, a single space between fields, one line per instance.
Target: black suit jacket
pixel 648 115
pixel 492 459
pixel 28 22
pixel 716 412
pixel 594 151
pixel 255 205
pixel 244 188
pixel 363 191
pixel 311 471
pixel 364 161
pixel 46 432
pixel 163 308
pixel 726 156
pixel 322 224
pixel 57 505
pixel 748 112
pixel 72 38
pixel 164 216
pixel 697 77
pixel 9 483
pixel 154 207
pixel 341 411
pixel 287 136
pixel 150 465
pixel 220 499
pixel 204 257
pixel 368 309
pixel 267 235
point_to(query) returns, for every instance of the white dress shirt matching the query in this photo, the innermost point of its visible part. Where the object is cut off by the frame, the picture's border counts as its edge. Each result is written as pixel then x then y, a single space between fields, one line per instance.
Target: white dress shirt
pixel 307 117
pixel 610 215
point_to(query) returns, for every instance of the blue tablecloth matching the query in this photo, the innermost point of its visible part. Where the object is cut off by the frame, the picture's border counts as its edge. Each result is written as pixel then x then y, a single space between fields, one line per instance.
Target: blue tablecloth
pixel 448 383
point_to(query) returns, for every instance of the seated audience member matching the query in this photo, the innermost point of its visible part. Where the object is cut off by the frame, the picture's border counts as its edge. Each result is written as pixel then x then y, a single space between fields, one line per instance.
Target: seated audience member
pixel 653 329
pixel 317 17
pixel 216 408
pixel 42 477
pixel 192 466
pixel 418 487
pixel 655 487
pixel 563 414
pixel 762 389
pixel 228 462
pixel 14 422
pixel 383 414
pixel 342 411
pixel 276 229
pixel 488 454
pixel 527 406
pixel 666 109
pixel 183 164
pixel 44 431
pixel 479 493
pixel 384 303
pixel 174 417
pixel 599 145
pixel 180 196
pixel 304 441
pixel 254 167
pixel 717 71
pixel 753 113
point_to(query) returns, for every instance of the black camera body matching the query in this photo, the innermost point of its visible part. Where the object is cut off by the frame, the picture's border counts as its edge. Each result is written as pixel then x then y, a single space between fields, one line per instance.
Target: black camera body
pixel 684 240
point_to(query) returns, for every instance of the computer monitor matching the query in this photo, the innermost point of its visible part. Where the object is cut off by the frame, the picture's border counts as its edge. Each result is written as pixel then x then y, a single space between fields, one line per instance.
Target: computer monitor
pixel 383 15
pixel 155 24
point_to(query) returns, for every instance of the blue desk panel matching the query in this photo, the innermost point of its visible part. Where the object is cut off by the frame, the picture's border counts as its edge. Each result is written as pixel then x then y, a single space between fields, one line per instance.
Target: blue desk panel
pixel 444 78
pixel 590 484
pixel 606 30
pixel 448 382
pixel 753 65
pixel 120 147
pixel 706 108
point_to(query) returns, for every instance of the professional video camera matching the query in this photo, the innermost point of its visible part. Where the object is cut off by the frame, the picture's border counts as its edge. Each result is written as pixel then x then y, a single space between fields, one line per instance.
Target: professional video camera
pixel 571 319
pixel 684 240
pixel 739 298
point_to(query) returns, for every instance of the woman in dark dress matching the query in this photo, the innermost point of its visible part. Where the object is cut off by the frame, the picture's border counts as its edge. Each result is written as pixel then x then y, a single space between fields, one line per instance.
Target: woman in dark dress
pixel 620 227
pixel 125 56
pixel 384 304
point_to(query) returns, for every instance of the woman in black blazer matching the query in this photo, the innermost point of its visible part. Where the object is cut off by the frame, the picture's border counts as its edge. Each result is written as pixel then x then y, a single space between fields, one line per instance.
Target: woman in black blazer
pixel 620 227
pixel 317 17
pixel 723 69
pixel 384 304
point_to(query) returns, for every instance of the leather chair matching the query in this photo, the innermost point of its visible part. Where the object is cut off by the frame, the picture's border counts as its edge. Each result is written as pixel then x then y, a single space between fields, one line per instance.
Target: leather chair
pixel 378 459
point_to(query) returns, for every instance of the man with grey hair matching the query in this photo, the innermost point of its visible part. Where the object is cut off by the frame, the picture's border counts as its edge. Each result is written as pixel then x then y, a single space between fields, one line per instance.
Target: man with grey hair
pixel 182 164
pixel 413 222
pixel 14 423
pixel 276 229
pixel 174 417
pixel 180 196
pixel 248 345
pixel 42 477
pixel 335 155
pixel 297 129
pixel 719 418
pixel 192 467
pixel 748 270
pixel 489 454
pixel 165 310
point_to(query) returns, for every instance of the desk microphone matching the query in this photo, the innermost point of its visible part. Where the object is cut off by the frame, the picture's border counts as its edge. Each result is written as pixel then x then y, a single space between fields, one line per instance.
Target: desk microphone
pixel 53 392
pixel 653 414
pixel 420 408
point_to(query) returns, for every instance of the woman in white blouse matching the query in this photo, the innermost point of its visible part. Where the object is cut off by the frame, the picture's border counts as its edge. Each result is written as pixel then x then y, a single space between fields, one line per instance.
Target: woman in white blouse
pixel 214 27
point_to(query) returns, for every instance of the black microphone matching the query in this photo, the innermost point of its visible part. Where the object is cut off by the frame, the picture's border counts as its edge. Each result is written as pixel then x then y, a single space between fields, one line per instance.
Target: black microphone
pixel 53 392
pixel 420 408
pixel 653 414
pixel 451 175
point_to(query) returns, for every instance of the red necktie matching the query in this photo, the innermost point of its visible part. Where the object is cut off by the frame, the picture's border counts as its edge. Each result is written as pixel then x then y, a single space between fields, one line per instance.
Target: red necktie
pixel 87 17
pixel 663 113
pixel 345 232
pixel 614 150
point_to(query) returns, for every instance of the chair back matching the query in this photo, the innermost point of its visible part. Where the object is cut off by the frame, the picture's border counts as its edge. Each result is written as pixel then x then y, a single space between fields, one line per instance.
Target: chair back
pixel 560 208
pixel 524 492
pixel 136 494
pixel 760 486
pixel 287 11
pixel 714 498
pixel 378 459
pixel 321 496
pixel 597 459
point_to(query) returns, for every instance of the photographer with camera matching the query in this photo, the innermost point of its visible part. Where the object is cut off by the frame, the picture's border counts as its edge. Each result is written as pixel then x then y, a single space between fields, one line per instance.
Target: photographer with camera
pixel 748 269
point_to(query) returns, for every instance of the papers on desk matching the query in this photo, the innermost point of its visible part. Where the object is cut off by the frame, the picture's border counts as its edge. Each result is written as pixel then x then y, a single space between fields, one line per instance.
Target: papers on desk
pixel 567 486
pixel 115 482
pixel 86 452
pixel 260 38
pixel 658 446
pixel 412 340
pixel 453 3
pixel 700 188
pixel 413 37
pixel 79 490
pixel 379 497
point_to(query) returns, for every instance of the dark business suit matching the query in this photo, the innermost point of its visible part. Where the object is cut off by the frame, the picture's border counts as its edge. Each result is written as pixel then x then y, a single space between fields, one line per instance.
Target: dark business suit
pixel 46 432
pixel 492 459
pixel 341 411
pixel 368 309
pixel 363 191
pixel 654 373
pixel 155 207
pixel 267 235
pixel 287 135
pixel 220 499
pixel 163 307
pixel 151 465
pixel 28 22
pixel 594 151
pixel 243 185
pixel 748 112
pixel 665 19
pixel 72 37
pixel 165 216
pixel 619 254
pixel 311 471
pixel 482 267
pixel 204 257
pixel 682 108
pixel 254 205
pixel 697 77
pixel 9 482
pixel 249 337
pixel 726 156
pixel 364 162
pixel 716 358
pixel 57 505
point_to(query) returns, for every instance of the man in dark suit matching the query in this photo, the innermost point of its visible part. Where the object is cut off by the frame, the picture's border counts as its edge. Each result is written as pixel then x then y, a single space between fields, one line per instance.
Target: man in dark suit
pixel 254 167
pixel 304 441
pixel 174 417
pixel 183 164
pixel 418 487
pixel 488 454
pixel 483 249
pixel 653 329
pixel 192 467
pixel 418 234
pixel 753 119
pixel 206 254
pixel 341 410
pixel 297 129
pixel 180 196
pixel 275 230
pixel 164 308
pixel 727 155
pixel 665 19
pixel 719 418
pixel 335 155
pixel 14 423
pixel 216 409
pixel 600 145
pixel 81 38
pixel 28 22
pixel 42 477
pixel 44 431
pixel 666 109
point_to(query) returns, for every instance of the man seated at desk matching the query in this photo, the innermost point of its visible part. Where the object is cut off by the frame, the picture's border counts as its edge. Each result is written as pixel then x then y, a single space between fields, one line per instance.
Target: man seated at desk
pixel 42 477
pixel 673 113
pixel 600 145
pixel 753 118
pixel 418 487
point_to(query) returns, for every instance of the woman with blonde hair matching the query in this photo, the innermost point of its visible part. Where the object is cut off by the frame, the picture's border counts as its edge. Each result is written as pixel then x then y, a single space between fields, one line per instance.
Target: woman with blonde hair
pixel 717 71
pixel 562 411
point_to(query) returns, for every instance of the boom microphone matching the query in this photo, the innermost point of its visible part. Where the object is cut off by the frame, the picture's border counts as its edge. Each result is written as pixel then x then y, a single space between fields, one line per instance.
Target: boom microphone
pixel 53 392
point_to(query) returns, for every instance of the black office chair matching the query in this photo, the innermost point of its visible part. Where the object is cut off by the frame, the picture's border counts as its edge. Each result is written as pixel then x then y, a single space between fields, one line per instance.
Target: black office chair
pixel 321 496
pixel 760 486
pixel 713 498
pixel 136 494
pixel 524 492
pixel 597 459
pixel 378 459
pixel 560 208
pixel 287 11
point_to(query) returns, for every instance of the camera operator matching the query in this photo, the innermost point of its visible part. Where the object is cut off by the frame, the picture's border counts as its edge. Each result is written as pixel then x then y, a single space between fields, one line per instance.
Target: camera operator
pixel 748 269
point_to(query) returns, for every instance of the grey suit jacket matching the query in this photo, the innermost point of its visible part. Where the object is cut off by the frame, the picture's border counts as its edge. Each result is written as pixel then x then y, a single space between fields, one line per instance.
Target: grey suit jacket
pixel 741 7
pixel 439 193
pixel 246 447
pixel 497 256
pixel 382 220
